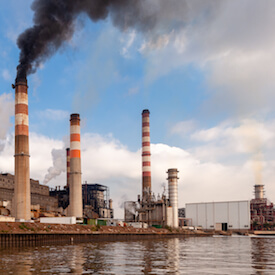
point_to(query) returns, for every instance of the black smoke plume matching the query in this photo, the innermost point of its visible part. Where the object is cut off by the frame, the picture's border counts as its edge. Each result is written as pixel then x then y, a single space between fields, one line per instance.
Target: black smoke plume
pixel 54 23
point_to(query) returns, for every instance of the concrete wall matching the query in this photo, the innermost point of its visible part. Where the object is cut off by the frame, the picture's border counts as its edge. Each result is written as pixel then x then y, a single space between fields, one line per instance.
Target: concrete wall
pixel 236 214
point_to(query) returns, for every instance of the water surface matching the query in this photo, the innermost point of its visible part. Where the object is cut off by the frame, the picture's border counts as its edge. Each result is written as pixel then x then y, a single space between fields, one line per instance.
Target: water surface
pixel 193 255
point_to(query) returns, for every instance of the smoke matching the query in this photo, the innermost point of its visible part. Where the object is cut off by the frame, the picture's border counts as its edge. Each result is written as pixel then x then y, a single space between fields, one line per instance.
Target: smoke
pixel 55 22
pixel 59 164
pixel 250 132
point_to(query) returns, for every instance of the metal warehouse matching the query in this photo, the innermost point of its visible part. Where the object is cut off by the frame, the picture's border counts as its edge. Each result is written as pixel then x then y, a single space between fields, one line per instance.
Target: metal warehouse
pixel 219 215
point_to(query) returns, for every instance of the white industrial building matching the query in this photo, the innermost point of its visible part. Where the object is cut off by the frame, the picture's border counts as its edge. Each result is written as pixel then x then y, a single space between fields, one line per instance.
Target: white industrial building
pixel 219 215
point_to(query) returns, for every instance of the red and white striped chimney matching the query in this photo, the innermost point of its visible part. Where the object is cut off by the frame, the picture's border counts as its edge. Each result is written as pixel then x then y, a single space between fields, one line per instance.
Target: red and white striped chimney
pixel 146 156
pixel 68 166
pixel 75 208
pixel 22 192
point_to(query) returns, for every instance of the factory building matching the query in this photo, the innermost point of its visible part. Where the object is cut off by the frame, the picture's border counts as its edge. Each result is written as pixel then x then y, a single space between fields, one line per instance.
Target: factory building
pixel 162 211
pixel 229 215
pixel 95 200
pixel 41 201
pixel 256 214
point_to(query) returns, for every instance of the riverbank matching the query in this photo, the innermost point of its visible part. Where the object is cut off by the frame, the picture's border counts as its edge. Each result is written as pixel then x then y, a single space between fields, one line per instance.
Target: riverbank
pixel 36 227
pixel 17 234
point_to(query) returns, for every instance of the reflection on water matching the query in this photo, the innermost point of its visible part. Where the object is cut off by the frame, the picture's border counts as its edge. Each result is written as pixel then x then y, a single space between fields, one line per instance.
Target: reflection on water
pixel 263 249
pixel 208 255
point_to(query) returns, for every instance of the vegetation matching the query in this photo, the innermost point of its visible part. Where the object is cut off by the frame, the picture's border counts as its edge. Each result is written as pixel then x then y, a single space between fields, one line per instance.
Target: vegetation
pixel 23 226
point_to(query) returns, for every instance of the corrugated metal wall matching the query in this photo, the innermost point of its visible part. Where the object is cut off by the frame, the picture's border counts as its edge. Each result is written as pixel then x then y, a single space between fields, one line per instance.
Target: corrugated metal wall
pixel 235 213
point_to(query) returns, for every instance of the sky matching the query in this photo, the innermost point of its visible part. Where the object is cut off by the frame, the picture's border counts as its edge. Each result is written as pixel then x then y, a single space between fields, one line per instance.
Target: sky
pixel 204 69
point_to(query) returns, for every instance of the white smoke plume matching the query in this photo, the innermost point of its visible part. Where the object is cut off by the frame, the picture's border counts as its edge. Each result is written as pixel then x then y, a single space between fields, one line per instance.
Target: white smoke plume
pixel 59 165
pixel 250 134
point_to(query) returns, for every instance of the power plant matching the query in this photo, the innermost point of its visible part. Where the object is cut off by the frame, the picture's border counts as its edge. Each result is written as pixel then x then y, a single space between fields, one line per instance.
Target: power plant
pixel 26 199
pixel 158 212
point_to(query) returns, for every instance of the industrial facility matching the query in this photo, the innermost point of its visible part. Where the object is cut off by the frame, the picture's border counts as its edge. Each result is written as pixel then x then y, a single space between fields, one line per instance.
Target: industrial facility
pixel 162 211
pixel 95 200
pixel 256 214
pixel 229 215
pixel 77 199
pixel 261 210
pixel 25 199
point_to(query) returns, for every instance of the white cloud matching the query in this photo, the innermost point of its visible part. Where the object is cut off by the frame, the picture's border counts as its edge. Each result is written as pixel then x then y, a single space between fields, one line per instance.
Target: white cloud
pixel 230 42
pixel 249 136
pixel 6 111
pixel 41 157
pixel 203 177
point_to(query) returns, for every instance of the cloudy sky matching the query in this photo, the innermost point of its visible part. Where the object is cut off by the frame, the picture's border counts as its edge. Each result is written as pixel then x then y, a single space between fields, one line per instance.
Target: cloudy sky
pixel 205 71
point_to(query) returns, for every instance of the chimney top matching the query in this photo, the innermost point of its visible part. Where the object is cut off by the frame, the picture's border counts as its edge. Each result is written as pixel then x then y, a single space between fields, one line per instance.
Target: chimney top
pixel 75 116
pixel 145 111
pixel 20 81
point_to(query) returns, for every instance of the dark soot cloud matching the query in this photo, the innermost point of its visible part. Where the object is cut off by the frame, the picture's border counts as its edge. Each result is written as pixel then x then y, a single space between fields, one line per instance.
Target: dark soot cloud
pixel 54 23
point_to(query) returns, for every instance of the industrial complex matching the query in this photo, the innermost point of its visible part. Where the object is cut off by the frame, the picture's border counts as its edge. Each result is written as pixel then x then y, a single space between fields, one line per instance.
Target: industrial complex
pixel 25 199
pixel 255 214
pixel 147 209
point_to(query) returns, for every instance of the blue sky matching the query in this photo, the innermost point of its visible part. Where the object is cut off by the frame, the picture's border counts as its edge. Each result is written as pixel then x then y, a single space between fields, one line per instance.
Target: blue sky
pixel 207 81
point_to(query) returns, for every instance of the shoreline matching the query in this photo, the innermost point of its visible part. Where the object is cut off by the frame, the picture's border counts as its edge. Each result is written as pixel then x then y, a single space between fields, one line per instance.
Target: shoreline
pixel 20 234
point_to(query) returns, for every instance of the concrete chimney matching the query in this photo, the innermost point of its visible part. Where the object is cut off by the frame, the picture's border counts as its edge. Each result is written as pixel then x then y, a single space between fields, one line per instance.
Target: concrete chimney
pixel 259 191
pixel 68 166
pixel 146 156
pixel 173 194
pixel 75 208
pixel 22 192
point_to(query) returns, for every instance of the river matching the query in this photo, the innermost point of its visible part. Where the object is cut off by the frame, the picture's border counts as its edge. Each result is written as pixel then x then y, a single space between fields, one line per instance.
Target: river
pixel 192 255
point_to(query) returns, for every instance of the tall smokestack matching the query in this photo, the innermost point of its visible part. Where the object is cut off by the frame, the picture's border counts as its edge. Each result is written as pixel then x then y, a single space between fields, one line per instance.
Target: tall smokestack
pixel 22 192
pixel 173 194
pixel 146 156
pixel 68 166
pixel 259 191
pixel 75 168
